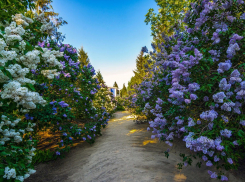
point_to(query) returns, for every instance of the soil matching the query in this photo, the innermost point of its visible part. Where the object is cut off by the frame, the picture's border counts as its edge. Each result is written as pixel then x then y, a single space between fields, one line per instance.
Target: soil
pixel 124 153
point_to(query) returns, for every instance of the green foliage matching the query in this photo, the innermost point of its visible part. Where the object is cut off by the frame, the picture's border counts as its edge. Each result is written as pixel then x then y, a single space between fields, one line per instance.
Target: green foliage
pixel 123 91
pixel 142 70
pixel 83 57
pixel 170 16
pixel 69 96
pixel 11 7
pixel 120 104
pixel 100 77
pixel 115 84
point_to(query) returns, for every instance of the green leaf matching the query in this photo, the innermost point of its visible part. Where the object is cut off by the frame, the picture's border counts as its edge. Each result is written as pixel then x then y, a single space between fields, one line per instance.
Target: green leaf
pixel 29 47
pixel 16 45
pixel 240 133
pixel 40 49
pixel 30 86
pixel 7 73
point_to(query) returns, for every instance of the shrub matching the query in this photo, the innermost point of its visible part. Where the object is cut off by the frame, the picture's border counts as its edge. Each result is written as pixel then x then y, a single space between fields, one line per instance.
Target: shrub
pixel 196 87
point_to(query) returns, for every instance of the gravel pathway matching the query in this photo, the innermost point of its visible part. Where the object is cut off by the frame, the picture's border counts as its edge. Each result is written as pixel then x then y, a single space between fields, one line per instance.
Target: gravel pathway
pixel 124 153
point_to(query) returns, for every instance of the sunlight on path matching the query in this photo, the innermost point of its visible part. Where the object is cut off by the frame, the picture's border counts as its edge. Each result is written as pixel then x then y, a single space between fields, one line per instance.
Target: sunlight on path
pixel 179 177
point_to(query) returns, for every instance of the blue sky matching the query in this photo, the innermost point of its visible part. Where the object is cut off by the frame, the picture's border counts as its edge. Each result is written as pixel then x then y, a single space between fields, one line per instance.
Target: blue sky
pixel 112 32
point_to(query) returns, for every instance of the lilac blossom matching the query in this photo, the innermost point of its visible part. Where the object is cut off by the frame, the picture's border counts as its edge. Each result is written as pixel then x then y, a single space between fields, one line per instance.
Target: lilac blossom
pixel 235 143
pixel 224 178
pixel 63 104
pixel 224 66
pixel 214 175
pixel 216 159
pixel 62 49
pixel 191 122
pixel 223 85
pixel 225 118
pixel 204 157
pixel 230 160
pixel 209 163
pixel 227 106
pixel 242 122
pixel 205 99
pixel 219 97
pixel 209 115
pixel 226 133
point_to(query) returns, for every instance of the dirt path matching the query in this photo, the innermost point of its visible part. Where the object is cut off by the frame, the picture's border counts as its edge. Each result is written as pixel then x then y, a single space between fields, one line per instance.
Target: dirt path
pixel 124 153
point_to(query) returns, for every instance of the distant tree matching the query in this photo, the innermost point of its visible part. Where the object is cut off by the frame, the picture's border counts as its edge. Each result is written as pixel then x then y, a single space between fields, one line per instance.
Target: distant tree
pixel 142 66
pixel 115 85
pixel 123 91
pixel 100 77
pixel 83 57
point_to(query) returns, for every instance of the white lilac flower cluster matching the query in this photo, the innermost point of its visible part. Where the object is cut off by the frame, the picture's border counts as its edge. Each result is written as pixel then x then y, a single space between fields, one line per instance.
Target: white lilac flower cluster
pixel 22 20
pixel 30 59
pixel 11 173
pixel 50 57
pixel 13 33
pixel 21 95
pixel 47 26
pixel 50 74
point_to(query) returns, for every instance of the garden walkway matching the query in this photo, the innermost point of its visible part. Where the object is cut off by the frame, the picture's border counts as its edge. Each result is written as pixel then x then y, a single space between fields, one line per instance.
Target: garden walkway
pixel 124 153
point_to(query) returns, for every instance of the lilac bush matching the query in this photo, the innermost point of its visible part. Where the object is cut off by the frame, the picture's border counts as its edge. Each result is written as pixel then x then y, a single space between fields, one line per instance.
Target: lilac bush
pixel 197 77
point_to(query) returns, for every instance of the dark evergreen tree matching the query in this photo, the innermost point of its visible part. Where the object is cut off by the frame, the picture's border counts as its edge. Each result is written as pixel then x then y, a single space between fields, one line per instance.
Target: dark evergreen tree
pixel 115 85
pixel 142 66
pixel 83 57
pixel 100 77
pixel 123 91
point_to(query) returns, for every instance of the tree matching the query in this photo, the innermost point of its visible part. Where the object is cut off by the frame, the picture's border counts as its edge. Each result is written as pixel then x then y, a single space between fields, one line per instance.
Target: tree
pixel 83 57
pixel 44 6
pixel 100 77
pixel 12 7
pixel 115 85
pixel 142 66
pixel 123 91
pixel 171 13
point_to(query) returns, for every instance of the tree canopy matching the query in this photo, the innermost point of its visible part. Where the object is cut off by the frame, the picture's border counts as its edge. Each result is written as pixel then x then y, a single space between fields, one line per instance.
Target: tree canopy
pixel 171 13
pixel 123 91
pixel 142 66
pixel 83 57
pixel 100 77
pixel 115 85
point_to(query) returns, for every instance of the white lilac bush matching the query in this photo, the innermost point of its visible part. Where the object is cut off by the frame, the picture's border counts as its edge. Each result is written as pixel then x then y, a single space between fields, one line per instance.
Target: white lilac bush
pixel 42 86
pixel 17 58
pixel 196 88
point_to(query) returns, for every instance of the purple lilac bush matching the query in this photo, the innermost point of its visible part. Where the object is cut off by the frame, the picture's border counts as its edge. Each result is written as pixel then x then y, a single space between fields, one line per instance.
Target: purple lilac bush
pixel 196 87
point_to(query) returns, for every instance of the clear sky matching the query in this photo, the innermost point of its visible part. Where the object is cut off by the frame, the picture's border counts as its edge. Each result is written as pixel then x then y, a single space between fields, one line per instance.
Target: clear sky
pixel 112 32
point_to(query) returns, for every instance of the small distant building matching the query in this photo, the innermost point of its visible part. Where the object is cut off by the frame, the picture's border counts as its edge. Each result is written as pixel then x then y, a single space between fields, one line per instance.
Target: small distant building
pixel 114 90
